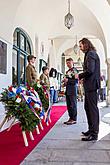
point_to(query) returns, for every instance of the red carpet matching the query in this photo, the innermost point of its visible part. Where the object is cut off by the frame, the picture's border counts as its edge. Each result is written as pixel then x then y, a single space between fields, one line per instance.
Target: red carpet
pixel 12 149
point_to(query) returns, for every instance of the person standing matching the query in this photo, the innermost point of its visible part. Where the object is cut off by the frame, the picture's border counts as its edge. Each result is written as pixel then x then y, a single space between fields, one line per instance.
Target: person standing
pixel 55 99
pixel 71 81
pixel 52 84
pixel 91 83
pixel 31 73
pixel 44 78
pixel 102 88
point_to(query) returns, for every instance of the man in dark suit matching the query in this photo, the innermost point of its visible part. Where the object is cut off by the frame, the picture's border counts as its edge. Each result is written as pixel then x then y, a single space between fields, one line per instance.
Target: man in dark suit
pixel 70 81
pixel 91 82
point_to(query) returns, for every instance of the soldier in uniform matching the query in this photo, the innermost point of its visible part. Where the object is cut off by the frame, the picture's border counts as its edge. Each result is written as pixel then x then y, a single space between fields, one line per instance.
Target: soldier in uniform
pixel 71 83
pixel 31 73
pixel 44 77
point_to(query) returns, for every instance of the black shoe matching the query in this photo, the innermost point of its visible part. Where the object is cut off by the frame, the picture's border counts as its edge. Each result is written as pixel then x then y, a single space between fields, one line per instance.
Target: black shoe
pixel 90 138
pixel 86 133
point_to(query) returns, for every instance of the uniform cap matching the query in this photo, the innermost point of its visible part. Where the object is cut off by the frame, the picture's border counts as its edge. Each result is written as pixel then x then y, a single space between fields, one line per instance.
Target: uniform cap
pixel 30 57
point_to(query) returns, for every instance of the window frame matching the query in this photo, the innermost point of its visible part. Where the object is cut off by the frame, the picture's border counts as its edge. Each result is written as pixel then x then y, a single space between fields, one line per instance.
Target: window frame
pixel 20 52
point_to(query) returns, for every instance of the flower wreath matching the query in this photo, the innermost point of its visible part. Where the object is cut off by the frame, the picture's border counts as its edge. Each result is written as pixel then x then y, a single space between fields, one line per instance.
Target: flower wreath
pixel 22 104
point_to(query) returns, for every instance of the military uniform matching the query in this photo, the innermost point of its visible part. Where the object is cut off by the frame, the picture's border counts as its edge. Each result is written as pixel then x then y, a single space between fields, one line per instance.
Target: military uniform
pixel 71 93
pixel 44 80
pixel 31 75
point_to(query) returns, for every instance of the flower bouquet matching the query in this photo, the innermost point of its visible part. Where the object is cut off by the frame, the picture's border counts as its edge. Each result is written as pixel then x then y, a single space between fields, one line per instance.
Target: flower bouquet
pixel 43 94
pixel 71 73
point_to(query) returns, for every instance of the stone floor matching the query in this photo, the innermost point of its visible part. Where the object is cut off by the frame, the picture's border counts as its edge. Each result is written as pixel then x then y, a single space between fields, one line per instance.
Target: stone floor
pixel 63 145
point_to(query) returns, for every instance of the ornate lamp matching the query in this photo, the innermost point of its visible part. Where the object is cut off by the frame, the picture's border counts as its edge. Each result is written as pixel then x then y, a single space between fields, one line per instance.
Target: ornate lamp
pixel 69 20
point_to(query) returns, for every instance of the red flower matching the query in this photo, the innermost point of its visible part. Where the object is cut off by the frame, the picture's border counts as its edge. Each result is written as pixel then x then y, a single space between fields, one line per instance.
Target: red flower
pixel 32 89
pixel 47 96
pixel 37 109
pixel 10 88
pixel 28 87
pixel 17 96
pixel 32 104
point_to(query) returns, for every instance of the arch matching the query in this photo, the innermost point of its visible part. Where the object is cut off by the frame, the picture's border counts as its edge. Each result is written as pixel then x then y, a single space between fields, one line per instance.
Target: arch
pixel 68 44
pixel 22 47
pixel 19 29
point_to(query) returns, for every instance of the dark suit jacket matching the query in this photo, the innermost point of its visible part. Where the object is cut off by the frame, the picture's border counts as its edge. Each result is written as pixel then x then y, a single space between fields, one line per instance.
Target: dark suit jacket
pixel 91 71
pixel 71 84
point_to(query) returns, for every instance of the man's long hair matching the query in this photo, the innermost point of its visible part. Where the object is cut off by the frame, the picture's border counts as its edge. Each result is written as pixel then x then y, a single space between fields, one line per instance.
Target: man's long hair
pixel 88 46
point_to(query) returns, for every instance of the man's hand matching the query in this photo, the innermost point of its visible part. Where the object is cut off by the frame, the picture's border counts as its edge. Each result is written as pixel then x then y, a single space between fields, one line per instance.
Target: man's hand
pixel 76 76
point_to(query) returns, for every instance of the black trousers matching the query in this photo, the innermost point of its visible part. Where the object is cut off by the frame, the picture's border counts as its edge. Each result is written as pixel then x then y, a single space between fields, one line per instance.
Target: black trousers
pixel 92 112
pixel 71 101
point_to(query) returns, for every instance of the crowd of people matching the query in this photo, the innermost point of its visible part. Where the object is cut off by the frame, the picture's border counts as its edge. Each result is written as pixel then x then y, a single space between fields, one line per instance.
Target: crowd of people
pixel 79 86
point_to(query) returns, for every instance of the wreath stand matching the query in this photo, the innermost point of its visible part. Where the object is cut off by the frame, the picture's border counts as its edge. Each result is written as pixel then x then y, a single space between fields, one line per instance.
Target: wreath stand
pixel 6 119
pixel 46 119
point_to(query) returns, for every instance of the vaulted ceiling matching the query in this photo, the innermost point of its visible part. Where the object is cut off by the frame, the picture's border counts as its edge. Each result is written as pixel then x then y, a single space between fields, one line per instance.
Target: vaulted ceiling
pixel 47 18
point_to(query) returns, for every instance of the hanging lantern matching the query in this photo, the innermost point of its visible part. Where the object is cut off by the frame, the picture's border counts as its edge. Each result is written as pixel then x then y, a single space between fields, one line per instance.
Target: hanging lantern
pixel 69 20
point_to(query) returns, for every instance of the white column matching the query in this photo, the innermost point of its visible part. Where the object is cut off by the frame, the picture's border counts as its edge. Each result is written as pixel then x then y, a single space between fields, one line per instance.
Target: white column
pixel 108 84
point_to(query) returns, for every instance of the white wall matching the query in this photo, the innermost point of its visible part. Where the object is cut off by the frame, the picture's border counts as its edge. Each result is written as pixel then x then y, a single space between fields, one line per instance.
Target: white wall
pixel 100 50
pixel 101 12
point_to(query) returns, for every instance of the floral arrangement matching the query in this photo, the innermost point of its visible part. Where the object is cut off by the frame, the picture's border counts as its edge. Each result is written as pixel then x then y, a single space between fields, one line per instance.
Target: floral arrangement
pixel 24 105
pixel 71 73
pixel 43 94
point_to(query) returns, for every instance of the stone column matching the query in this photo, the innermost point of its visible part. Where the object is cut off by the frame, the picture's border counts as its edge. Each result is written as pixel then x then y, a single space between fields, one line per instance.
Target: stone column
pixel 108 84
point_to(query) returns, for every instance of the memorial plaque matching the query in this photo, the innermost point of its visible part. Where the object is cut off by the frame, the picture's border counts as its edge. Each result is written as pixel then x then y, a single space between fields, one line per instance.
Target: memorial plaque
pixel 3 57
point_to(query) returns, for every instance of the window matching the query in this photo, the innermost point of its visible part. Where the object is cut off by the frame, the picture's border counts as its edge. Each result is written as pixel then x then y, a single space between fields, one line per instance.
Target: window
pixel 21 49
pixel 59 78
pixel 41 64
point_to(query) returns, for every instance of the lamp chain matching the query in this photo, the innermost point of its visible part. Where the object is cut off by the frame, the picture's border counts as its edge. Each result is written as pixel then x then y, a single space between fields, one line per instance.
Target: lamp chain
pixel 68 6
